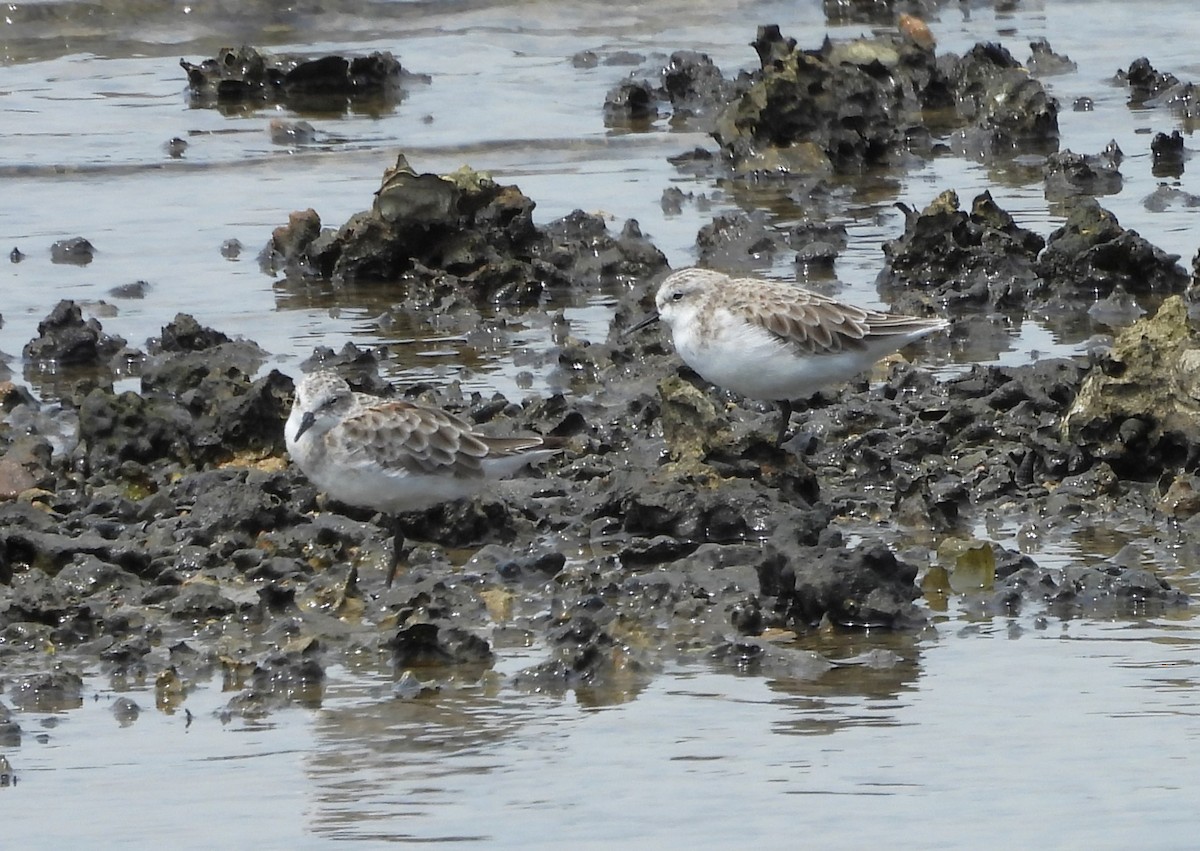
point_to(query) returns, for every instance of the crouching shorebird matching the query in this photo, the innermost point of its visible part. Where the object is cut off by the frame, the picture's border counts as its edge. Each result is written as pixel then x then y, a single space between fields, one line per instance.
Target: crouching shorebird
pixel 774 341
pixel 394 456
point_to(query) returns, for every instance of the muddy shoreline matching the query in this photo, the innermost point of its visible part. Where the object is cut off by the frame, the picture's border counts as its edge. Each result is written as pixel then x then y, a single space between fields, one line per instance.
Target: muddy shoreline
pixel 162 534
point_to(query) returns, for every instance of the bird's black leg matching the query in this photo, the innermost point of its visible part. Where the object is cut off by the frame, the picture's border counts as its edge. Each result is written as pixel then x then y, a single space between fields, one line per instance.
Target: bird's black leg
pixel 397 544
pixel 785 416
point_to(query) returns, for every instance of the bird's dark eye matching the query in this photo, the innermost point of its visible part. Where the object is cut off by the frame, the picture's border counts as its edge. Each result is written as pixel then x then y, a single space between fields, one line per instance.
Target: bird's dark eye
pixel 677 295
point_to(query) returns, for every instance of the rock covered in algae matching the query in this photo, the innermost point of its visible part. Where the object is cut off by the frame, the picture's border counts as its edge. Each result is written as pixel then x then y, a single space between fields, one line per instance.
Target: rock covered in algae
pixel 1139 409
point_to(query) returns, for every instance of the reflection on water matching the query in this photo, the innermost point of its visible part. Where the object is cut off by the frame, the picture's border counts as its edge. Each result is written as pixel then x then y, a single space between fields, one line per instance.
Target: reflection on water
pixel 994 726
pixel 441 767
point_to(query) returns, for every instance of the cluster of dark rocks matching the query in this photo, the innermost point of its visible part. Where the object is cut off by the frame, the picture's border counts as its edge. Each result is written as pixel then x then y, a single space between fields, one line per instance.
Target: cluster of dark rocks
pixel 244 75
pixel 162 534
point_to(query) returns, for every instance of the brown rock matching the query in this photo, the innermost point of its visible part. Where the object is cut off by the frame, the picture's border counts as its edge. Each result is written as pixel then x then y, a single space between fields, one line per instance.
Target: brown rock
pixel 13 479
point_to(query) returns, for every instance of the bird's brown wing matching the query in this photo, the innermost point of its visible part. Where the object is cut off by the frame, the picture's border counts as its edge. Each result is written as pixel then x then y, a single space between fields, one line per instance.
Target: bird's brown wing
pixel 813 323
pixel 403 437
pixel 818 324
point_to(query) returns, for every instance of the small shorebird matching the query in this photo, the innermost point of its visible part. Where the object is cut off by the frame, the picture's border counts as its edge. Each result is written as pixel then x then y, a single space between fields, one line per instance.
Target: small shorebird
pixel 774 341
pixel 391 455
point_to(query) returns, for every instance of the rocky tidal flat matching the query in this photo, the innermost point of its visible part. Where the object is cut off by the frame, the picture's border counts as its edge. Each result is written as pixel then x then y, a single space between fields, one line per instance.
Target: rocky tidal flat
pixel 153 529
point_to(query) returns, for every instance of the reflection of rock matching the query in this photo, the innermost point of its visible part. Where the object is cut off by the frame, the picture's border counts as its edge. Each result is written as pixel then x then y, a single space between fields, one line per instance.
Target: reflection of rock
pixel 1117 310
pixel 1139 409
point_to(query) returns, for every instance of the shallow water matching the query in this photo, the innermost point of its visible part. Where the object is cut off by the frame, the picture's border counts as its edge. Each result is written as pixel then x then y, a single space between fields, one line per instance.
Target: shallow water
pixel 989 732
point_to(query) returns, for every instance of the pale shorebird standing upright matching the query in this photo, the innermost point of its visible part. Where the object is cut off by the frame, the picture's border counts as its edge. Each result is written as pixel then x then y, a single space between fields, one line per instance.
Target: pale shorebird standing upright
pixel 774 341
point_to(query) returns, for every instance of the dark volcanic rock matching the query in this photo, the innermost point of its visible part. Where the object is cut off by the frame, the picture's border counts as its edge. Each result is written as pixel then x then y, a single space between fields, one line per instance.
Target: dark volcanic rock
pixel 1167 154
pixel 420 645
pixel 864 587
pixel 279 678
pixel 688 508
pixel 201 602
pixel 49 691
pixel 459 234
pixel 227 501
pixel 581 247
pixel 76 251
pixel 243 74
pixel 1068 174
pixel 695 87
pixel 1044 62
pixel 65 338
pixel 195 410
pixel 1008 109
pixel 851 105
pixel 690 86
pixel 1144 82
pixel 359 366
pixel 736 241
pixel 185 334
pixel 10 730
pixel 950 256
pixel 631 103
pixel 844 106
pixel 135 290
pixel 583 654
pixel 1092 253
pixel 128 427
pixel 513 566
pixel 1105 591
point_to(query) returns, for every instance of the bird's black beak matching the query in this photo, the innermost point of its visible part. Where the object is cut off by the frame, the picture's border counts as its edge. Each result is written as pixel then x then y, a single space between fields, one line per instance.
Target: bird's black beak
pixel 638 326
pixel 306 423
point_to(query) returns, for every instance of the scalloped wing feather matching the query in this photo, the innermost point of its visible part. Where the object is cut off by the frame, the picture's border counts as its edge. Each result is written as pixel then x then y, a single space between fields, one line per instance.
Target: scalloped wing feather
pixel 809 321
pixel 404 438
pixel 817 324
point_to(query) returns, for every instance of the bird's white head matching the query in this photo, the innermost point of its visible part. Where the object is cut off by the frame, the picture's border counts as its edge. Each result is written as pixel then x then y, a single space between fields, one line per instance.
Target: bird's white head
pixel 682 294
pixel 320 403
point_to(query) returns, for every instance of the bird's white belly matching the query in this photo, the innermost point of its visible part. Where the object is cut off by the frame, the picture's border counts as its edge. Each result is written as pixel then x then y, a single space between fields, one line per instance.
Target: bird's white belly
pixel 391 492
pixel 750 361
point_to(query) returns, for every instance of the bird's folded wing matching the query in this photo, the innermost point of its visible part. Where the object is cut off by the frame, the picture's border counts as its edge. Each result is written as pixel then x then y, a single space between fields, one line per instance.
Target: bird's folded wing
pixel 407 438
pixel 812 323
